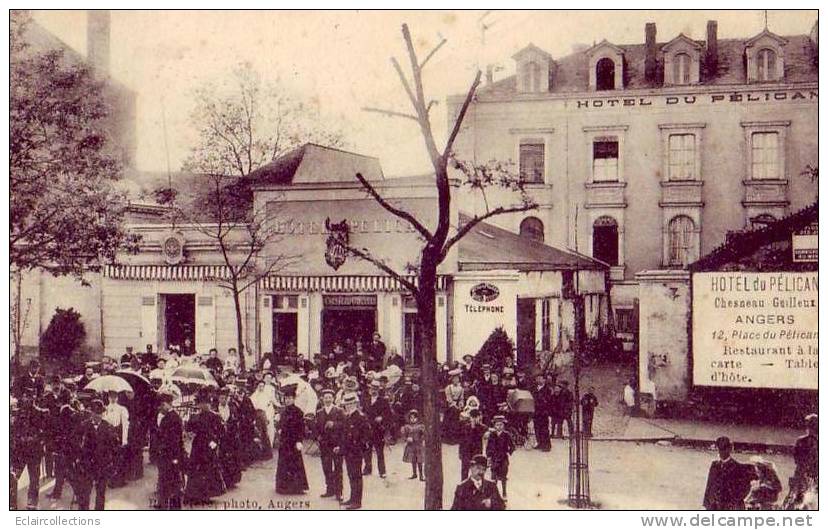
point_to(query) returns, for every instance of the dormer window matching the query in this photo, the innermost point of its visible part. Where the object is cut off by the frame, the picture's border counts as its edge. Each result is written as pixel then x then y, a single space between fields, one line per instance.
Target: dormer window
pixel 681 69
pixel 681 61
pixel 605 74
pixel 533 67
pixel 606 66
pixel 765 58
pixel 766 65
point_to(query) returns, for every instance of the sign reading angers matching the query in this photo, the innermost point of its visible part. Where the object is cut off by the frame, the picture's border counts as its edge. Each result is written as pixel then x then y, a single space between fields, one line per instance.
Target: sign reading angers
pixel 755 330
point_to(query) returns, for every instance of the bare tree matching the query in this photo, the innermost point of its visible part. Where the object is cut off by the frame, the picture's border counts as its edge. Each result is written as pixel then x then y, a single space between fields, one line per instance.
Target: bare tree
pixel 241 126
pixel 437 241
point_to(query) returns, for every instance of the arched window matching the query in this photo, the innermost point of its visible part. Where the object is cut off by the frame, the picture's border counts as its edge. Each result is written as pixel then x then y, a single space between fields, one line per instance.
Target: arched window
pixel 605 74
pixel 532 228
pixel 680 233
pixel 605 240
pixel 766 65
pixel 681 69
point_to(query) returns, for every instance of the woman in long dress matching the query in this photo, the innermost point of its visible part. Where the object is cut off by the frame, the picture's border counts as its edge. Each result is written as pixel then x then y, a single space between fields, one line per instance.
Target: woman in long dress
pixel 290 469
pixel 204 477
pixel 454 404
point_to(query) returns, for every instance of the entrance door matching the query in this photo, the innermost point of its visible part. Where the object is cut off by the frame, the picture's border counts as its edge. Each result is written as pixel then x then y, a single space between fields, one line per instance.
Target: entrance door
pixel 346 326
pixel 525 331
pixel 179 319
pixel 285 333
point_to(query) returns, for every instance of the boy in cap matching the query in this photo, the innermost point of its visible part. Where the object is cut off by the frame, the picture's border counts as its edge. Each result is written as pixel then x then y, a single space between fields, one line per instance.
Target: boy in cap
pixel 328 425
pixel 477 493
pixel 499 446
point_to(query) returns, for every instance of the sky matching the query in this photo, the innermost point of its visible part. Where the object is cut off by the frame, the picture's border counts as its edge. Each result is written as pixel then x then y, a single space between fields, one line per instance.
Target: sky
pixel 339 61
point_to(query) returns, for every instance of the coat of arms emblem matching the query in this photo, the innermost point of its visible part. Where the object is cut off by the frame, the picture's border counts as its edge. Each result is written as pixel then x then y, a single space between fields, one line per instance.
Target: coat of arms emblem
pixel 337 243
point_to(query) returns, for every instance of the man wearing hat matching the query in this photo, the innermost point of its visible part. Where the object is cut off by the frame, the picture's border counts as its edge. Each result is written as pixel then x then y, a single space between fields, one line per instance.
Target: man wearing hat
pixel 352 446
pixel 204 479
pixel 378 411
pixel 94 458
pixel 806 457
pixel 476 493
pixel 328 425
pixel 499 446
pixel 728 481
pixel 171 455
pixel 471 441
pixel 564 406
pixel 30 427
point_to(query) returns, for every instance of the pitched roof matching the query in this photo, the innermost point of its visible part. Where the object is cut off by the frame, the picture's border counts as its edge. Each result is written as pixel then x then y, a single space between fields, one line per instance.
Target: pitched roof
pixel 487 247
pixel 571 73
pixel 746 243
pixel 316 164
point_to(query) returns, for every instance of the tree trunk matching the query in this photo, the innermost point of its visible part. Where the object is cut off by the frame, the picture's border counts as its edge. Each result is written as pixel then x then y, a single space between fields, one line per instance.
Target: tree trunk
pixel 427 328
pixel 239 336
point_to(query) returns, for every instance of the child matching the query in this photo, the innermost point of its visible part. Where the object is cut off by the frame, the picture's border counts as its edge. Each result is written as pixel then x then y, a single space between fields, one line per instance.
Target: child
pixel 499 446
pixel 413 432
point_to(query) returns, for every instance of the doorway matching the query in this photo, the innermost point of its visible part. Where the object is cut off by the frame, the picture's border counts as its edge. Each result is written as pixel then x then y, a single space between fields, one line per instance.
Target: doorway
pixel 177 319
pixel 285 332
pixel 525 331
pixel 346 326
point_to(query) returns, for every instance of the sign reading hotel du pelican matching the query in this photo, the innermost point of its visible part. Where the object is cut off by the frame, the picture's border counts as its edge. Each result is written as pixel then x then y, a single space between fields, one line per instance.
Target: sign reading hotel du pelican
pixel 756 329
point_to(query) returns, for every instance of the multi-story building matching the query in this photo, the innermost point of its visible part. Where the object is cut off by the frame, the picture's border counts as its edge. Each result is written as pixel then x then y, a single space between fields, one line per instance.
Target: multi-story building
pixel 646 155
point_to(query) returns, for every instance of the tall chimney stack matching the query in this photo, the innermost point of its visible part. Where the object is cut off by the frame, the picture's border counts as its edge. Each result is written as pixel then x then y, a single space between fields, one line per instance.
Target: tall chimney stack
pixel 651 59
pixel 97 40
pixel 712 57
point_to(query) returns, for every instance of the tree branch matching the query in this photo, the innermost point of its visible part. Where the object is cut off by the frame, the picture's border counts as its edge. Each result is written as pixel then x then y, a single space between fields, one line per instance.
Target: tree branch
pixel 365 255
pixel 402 214
pixel 431 53
pixel 404 81
pixel 391 113
pixel 465 229
pixel 458 123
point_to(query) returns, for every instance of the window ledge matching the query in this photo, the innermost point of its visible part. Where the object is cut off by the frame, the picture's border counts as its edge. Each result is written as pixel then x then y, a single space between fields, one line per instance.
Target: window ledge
pixel 605 184
pixel 617 272
pixel 759 182
pixel 682 183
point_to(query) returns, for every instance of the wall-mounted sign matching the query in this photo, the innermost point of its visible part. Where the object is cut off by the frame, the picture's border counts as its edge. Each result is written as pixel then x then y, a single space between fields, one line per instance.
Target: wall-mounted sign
pixel 172 247
pixel 349 300
pixel 805 244
pixel 719 99
pixel 337 243
pixel 484 292
pixel 755 329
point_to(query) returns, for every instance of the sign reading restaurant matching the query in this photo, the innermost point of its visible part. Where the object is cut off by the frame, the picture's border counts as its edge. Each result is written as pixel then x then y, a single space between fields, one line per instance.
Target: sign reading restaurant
pixel 755 330
pixel 714 98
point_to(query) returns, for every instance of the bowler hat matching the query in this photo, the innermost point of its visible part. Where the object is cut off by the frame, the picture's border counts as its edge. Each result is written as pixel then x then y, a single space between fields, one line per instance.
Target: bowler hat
pixel 498 418
pixel 96 406
pixel 350 399
pixel 479 460
pixel 289 391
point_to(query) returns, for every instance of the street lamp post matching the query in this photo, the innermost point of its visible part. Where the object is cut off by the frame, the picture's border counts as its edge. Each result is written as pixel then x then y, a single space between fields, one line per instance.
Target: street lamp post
pixel 578 443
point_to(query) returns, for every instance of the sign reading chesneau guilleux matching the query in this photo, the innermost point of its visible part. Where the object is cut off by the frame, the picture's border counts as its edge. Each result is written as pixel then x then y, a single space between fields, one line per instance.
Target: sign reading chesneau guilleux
pixel 755 330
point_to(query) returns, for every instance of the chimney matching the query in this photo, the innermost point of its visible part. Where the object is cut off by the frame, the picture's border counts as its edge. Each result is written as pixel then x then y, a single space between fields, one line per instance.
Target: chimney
pixel 712 58
pixel 489 74
pixel 97 40
pixel 651 58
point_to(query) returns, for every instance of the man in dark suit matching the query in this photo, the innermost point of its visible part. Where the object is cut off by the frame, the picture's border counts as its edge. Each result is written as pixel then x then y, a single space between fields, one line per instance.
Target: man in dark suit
pixel 31 382
pixel 471 441
pixel 542 397
pixel 564 408
pixel 171 454
pixel 352 446
pixel 728 481
pixel 477 493
pixel 30 427
pixel 96 447
pixel 329 420
pixel 378 412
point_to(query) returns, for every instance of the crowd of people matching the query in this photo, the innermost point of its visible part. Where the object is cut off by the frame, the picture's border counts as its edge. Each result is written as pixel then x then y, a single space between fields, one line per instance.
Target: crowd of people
pixel 203 437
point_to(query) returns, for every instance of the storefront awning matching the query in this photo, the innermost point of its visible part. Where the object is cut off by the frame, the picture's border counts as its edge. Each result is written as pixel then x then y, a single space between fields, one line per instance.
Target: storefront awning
pixel 339 284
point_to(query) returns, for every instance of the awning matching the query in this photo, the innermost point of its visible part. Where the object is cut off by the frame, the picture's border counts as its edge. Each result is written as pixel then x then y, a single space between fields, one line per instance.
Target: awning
pixel 340 284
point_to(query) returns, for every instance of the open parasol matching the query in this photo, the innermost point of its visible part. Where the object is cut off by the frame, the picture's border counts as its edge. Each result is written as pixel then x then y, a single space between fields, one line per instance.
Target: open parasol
pixel 109 383
pixel 193 375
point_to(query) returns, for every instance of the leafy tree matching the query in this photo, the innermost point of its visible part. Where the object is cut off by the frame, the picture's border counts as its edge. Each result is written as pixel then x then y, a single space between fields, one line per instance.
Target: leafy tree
pixel 496 348
pixel 64 335
pixel 65 214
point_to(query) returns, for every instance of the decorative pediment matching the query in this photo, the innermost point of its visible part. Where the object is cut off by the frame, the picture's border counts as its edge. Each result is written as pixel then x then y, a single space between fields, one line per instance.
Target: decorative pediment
pixel 604 47
pixel 766 37
pixel 530 52
pixel 681 43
